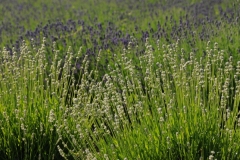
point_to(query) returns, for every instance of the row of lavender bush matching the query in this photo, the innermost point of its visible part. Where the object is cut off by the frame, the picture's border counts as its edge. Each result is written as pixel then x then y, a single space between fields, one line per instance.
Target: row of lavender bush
pixel 159 106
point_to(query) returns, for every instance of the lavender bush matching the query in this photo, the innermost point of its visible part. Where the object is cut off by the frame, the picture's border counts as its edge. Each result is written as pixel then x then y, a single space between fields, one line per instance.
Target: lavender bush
pixel 162 109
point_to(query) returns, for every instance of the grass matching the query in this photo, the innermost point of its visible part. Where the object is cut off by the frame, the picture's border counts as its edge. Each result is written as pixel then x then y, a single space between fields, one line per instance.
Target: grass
pixel 166 90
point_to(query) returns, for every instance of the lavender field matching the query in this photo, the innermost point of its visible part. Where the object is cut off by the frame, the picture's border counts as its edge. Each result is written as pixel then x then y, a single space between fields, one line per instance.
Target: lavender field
pixel 119 79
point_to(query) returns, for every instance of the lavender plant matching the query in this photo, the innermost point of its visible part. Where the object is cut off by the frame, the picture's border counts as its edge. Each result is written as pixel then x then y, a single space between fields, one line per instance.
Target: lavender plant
pixel 176 109
pixel 32 102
